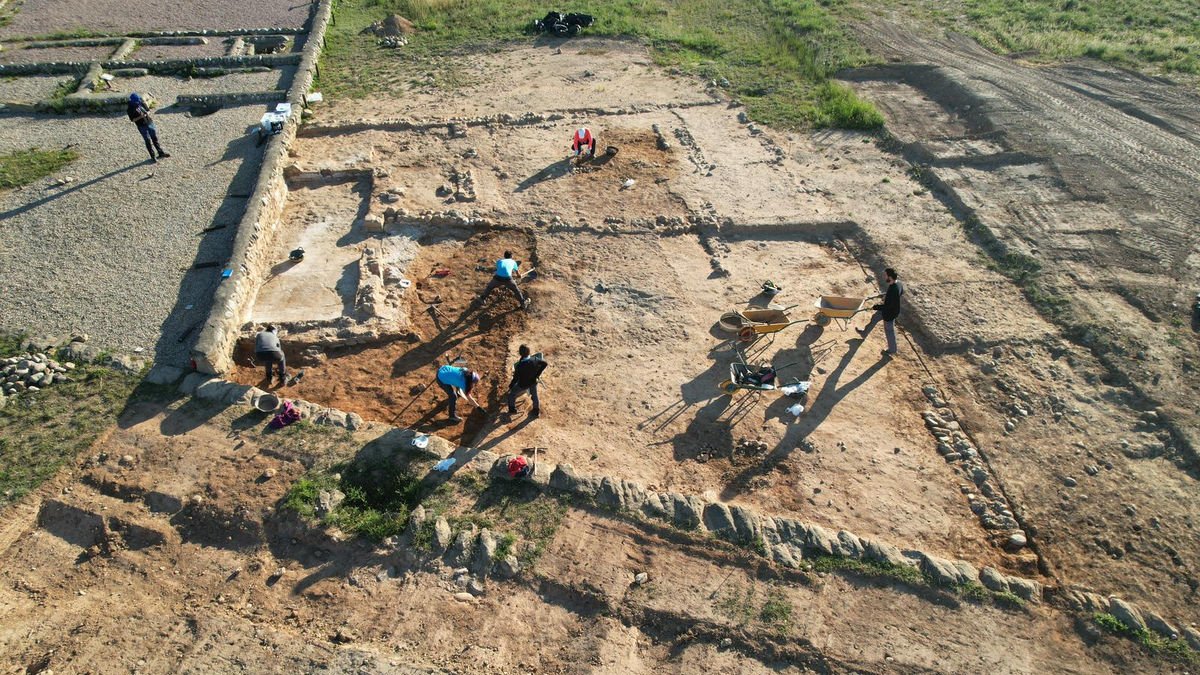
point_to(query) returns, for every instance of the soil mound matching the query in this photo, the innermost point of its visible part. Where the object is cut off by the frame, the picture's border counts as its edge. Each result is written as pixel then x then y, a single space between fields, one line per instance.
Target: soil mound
pixel 392 26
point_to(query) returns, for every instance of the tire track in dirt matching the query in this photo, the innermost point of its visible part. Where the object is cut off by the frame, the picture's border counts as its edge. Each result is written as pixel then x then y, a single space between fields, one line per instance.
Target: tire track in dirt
pixel 1164 166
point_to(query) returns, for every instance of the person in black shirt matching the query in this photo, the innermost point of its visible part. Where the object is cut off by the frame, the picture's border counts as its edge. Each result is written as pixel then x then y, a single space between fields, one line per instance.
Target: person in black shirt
pixel 139 114
pixel 888 311
pixel 525 377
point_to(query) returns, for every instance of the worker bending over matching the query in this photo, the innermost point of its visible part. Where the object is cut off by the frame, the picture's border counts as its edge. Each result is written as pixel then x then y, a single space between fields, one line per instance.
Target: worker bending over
pixel 457 382
pixel 584 139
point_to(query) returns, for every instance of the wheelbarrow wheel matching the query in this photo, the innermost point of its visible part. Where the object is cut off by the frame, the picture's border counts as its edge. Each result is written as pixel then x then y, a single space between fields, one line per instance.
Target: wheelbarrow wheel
pixel 746 334
pixel 727 387
pixel 822 320
pixel 731 322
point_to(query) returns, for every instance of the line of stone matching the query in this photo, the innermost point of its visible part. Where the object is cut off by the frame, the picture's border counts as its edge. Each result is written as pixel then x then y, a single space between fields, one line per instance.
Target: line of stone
pixel 250 257
pixel 455 125
pixel 162 66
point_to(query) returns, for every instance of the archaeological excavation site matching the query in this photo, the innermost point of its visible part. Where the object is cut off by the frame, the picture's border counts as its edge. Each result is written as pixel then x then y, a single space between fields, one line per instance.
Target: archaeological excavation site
pixel 730 462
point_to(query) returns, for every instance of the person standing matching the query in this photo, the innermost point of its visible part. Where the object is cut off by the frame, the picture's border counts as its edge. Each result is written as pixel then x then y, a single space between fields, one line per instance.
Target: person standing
pixel 889 310
pixel 268 351
pixel 456 381
pixel 506 276
pixel 525 378
pixel 139 114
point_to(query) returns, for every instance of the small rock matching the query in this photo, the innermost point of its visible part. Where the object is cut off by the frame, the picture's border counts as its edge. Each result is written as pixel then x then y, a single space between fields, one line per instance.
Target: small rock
pixel 475 587
pixel 640 578
pixel 126 460
pixel 1070 482
pixel 464 596
pixel 1016 541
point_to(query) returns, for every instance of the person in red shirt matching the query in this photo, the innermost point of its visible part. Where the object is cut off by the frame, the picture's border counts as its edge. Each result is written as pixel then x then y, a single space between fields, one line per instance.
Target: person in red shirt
pixel 584 138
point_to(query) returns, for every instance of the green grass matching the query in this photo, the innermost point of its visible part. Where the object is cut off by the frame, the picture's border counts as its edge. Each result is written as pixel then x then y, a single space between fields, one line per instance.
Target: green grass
pixel 22 167
pixel 1158 645
pixel 1151 35
pixel 740 604
pixel 42 431
pixel 869 568
pixel 776 56
pixel 524 517
pixel 777 612
pixel 380 492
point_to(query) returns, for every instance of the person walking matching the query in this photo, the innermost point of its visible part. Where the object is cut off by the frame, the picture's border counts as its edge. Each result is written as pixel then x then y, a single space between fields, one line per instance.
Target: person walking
pixel 456 381
pixel 139 114
pixel 525 378
pixel 506 276
pixel 889 310
pixel 268 351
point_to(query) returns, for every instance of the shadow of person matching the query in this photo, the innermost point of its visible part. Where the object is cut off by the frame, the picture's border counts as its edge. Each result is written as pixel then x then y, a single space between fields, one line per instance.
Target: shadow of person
pixel 817 410
pixel 706 431
pixel 556 169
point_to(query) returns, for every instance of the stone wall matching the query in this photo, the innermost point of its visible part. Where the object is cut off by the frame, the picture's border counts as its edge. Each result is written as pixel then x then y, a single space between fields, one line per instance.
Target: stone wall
pixel 232 98
pixel 249 261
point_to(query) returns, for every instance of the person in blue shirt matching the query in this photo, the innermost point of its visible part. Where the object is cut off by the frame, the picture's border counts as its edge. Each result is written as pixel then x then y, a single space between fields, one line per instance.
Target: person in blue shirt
pixel 139 114
pixel 457 381
pixel 506 276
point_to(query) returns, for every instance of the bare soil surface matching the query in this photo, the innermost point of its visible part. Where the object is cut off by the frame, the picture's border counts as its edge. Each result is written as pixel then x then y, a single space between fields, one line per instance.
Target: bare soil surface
pixel 631 282
pixel 171 532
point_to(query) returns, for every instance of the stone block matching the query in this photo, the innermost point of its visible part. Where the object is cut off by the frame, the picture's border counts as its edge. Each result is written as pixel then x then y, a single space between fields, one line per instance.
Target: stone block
pixel 1126 613
pixel 718 520
pixel 993 580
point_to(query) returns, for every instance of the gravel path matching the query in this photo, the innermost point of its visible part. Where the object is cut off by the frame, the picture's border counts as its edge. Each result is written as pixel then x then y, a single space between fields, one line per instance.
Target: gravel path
pixel 166 88
pixel 31 89
pixel 43 17
pixel 216 47
pixel 57 54
pixel 110 253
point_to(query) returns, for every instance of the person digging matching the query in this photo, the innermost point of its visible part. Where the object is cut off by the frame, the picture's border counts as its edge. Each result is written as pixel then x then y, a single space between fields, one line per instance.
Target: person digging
pixel 456 381
pixel 139 114
pixel 526 372
pixel 268 351
pixel 506 275
pixel 583 144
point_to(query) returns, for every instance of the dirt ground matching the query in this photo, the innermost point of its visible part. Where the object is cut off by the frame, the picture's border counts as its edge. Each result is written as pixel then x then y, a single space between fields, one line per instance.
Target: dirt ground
pixel 631 281
pixel 170 532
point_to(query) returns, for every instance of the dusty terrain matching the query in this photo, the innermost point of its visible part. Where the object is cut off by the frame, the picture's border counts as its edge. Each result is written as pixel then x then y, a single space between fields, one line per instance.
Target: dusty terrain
pixel 171 532
pixel 631 281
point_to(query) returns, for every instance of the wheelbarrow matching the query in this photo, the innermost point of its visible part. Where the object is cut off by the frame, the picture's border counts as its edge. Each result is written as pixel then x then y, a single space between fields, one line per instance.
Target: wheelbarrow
pixel 764 377
pixel 838 308
pixel 751 323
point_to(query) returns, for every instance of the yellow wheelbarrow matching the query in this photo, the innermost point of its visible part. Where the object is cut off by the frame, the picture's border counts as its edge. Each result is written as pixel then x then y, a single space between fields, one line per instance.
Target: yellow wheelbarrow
pixel 838 308
pixel 751 323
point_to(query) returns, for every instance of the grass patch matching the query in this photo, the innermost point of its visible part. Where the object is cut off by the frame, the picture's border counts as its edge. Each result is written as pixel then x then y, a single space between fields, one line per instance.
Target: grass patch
pixel 839 107
pixel 527 517
pixel 42 431
pixel 870 568
pixel 1154 35
pixel 23 167
pixel 379 494
pixel 1008 600
pixel 777 612
pixel 1152 642
pixel 776 56
pixel 740 604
